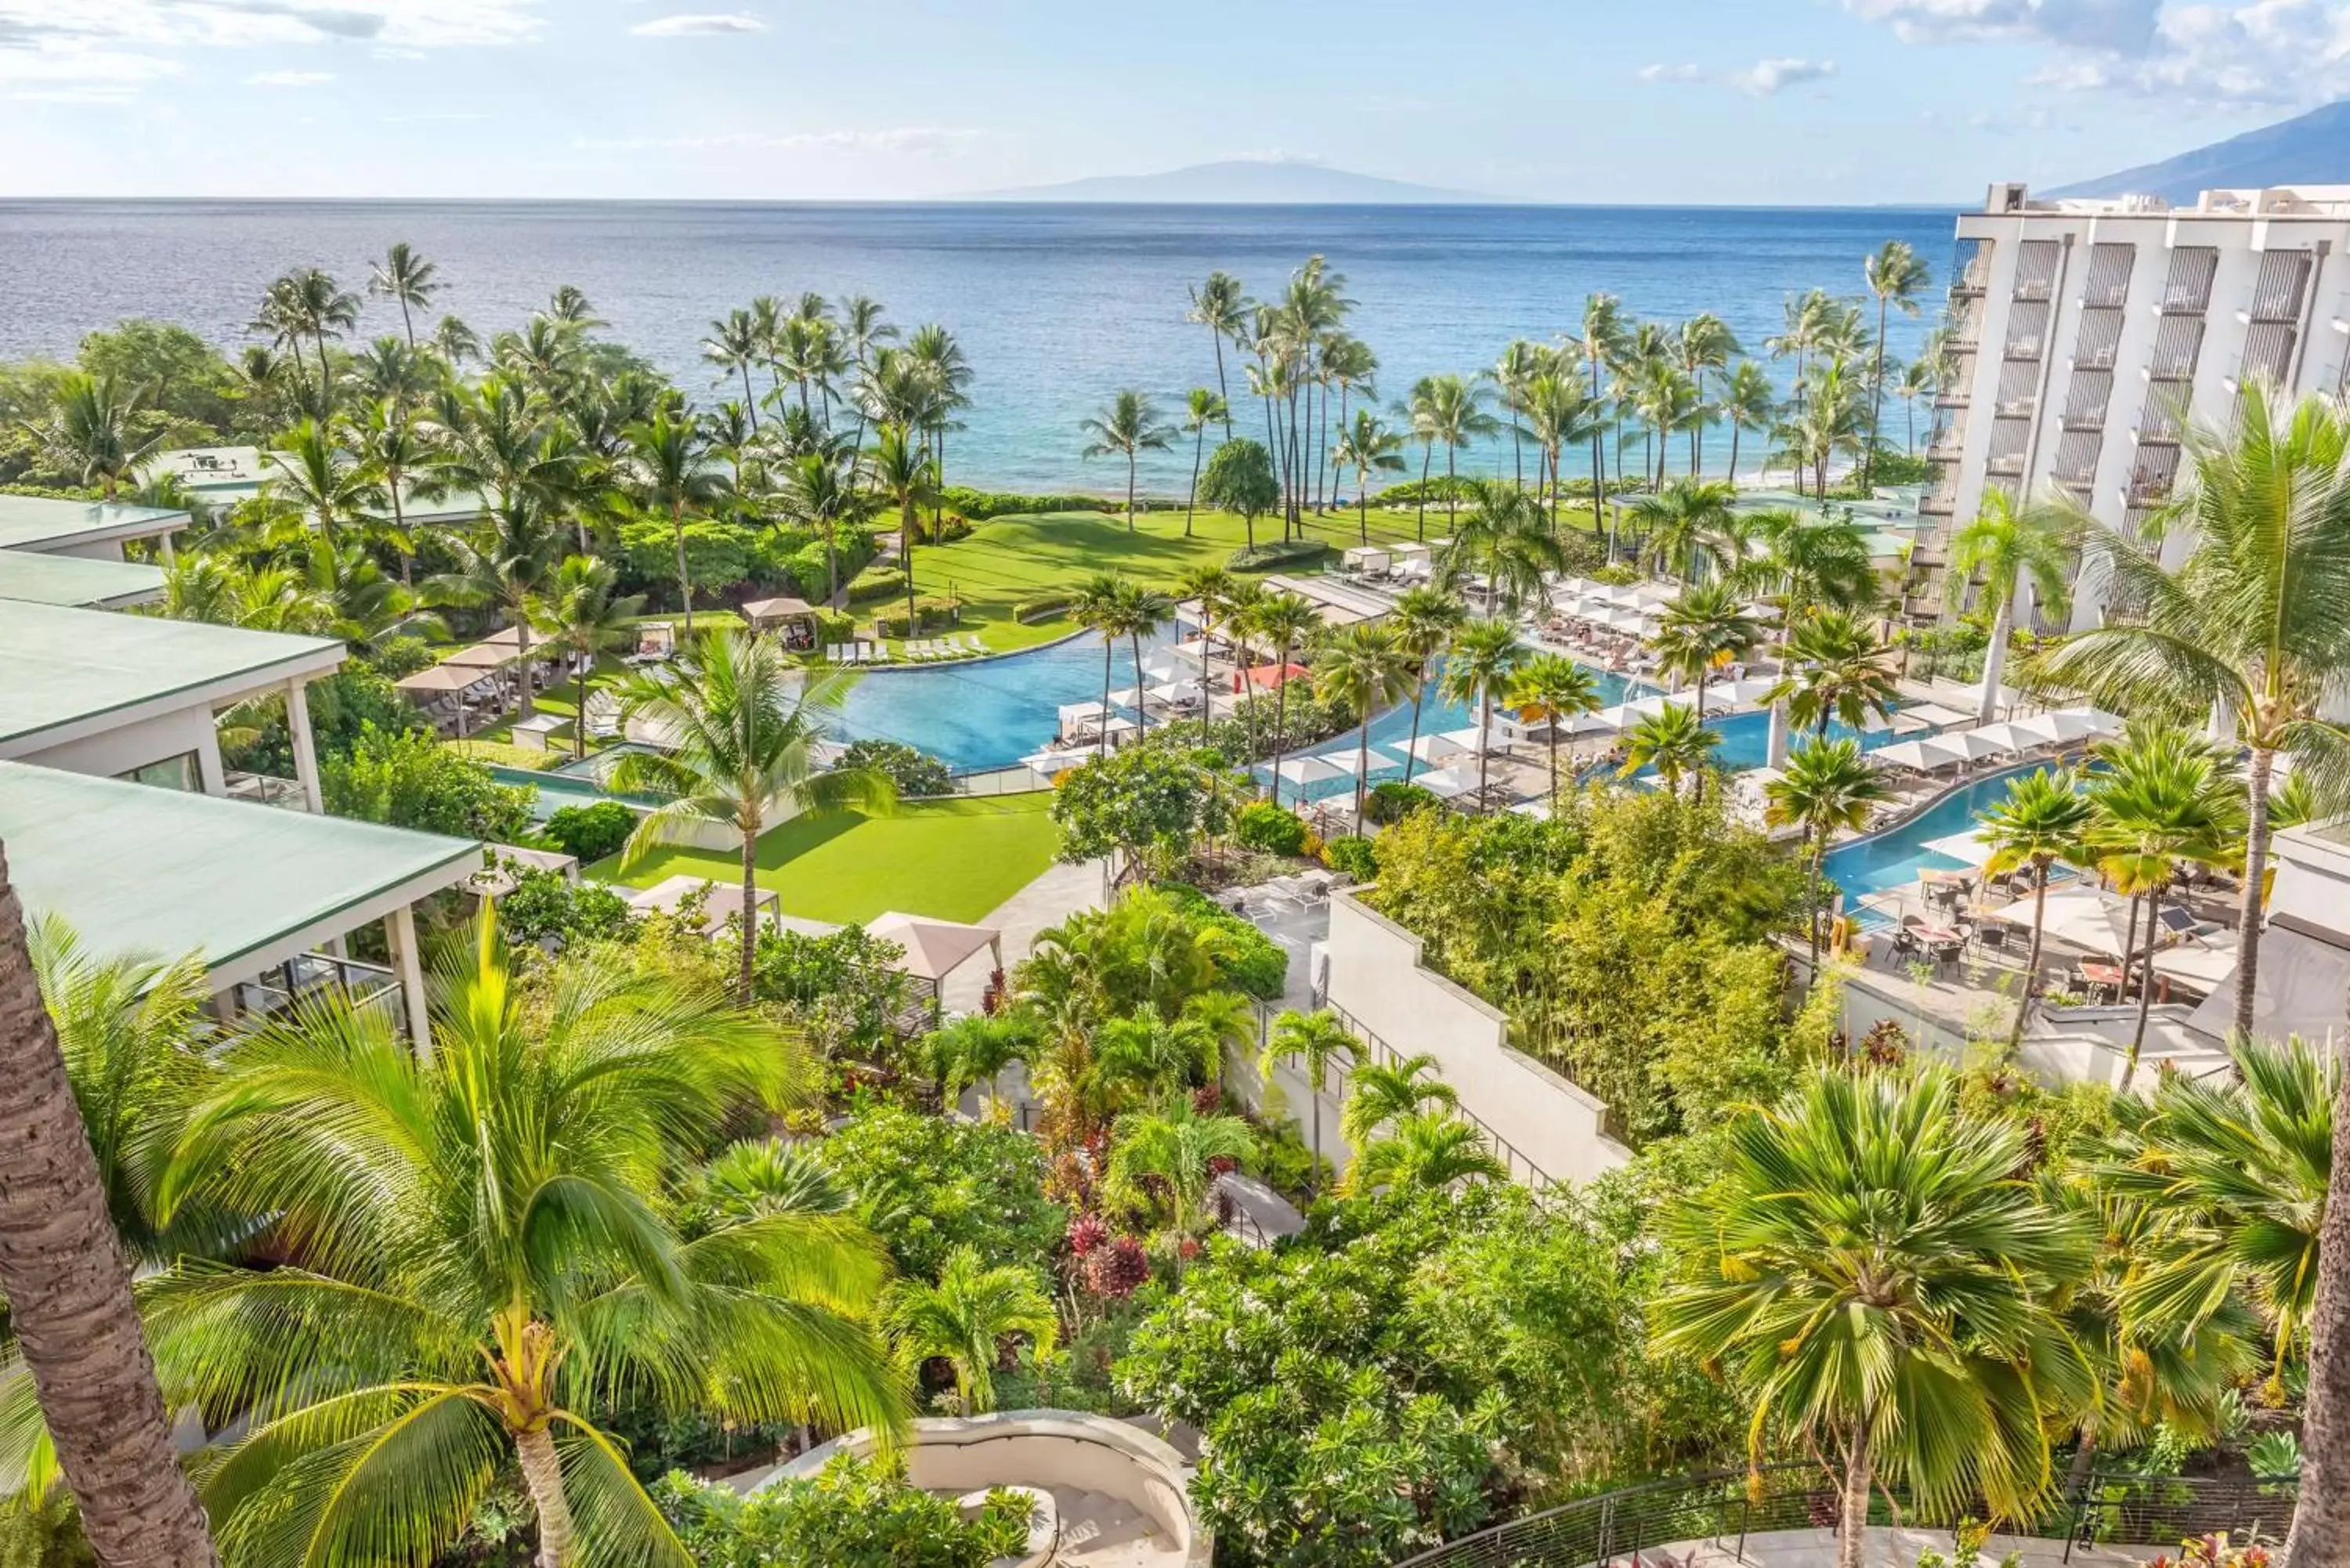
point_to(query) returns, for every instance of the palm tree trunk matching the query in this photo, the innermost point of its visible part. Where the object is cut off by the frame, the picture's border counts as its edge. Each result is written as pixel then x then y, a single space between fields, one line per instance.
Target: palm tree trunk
pixel 1876 401
pixel 1852 1516
pixel 1812 901
pixel 69 1290
pixel 1697 780
pixel 1198 449
pixel 1141 705
pixel 1452 487
pixel 750 398
pixel 1101 720
pixel 1554 760
pixel 2248 906
pixel 579 725
pixel 1207 695
pixel 906 524
pixel 2321 1520
pixel 1223 389
pixel 2144 981
pixel 542 1476
pixel 2002 628
pixel 2032 964
pixel 406 325
pixel 1363 768
pixel 1419 696
pixel 1280 715
pixel 743 976
pixel 522 663
pixel 1427 458
pixel 1484 752
pixel 684 579
pixel 1129 489
pixel 1733 451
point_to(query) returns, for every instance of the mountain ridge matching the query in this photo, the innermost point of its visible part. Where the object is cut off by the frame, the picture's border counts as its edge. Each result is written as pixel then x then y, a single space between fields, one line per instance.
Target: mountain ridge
pixel 1242 181
pixel 2311 148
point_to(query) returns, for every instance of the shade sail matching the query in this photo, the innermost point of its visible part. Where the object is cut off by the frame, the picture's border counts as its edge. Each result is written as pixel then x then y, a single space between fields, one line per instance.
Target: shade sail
pixel 781 609
pixel 934 949
pixel 440 680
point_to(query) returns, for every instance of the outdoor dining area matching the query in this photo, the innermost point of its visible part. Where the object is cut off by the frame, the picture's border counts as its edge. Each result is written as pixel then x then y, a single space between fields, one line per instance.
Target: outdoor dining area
pixel 1610 624
pixel 479 685
pixel 1401 566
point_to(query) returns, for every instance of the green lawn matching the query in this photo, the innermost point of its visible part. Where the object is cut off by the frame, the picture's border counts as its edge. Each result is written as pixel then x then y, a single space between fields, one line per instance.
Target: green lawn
pixel 952 859
pixel 1029 555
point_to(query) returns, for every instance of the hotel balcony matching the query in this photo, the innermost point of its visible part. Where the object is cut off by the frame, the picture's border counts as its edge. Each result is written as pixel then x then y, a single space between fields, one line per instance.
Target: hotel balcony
pixel 2008 463
pixel 2022 349
pixel 2105 296
pixel 2029 288
pixel 2015 407
pixel 2096 358
pixel 315 976
pixel 2146 490
pixel 1953 397
pixel 2083 418
pixel 2182 370
pixel 266 789
pixel 2183 302
pixel 1941 505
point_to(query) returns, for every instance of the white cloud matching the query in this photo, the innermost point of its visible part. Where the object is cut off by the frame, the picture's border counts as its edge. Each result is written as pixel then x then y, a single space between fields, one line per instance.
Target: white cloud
pixel 2192 53
pixel 159 24
pixel 289 79
pixel 694 27
pixel 49 71
pixel 1665 73
pixel 918 140
pixel 1768 77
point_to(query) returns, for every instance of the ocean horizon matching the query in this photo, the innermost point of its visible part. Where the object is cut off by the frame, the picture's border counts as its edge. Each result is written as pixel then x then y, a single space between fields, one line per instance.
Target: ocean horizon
pixel 1058 305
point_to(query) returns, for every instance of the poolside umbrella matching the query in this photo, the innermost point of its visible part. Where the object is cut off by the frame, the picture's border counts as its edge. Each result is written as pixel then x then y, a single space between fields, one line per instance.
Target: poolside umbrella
pixel 1468 740
pixel 1170 693
pixel 1971 848
pixel 1932 714
pixel 2005 737
pixel 1972 745
pixel 1921 756
pixel 1593 723
pixel 1310 769
pixel 2097 721
pixel 1193 652
pixel 1450 784
pixel 1127 697
pixel 2085 918
pixel 2055 729
pixel 1743 693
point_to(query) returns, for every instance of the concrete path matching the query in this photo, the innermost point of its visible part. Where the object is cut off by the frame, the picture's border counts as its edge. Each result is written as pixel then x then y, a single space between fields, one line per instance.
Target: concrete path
pixel 1057 893
pixel 1268 1214
pixel 1886 1546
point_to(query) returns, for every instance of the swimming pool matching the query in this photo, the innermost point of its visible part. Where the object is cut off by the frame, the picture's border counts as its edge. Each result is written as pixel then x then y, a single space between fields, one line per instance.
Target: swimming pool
pixel 987 713
pixel 1893 857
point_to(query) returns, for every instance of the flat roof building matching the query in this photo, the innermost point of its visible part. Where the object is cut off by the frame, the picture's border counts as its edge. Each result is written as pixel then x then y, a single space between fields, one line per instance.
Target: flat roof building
pixel 98 529
pixel 28 576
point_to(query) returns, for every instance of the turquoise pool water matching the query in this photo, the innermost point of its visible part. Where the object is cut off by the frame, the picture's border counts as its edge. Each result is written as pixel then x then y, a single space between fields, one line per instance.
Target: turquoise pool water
pixel 1893 857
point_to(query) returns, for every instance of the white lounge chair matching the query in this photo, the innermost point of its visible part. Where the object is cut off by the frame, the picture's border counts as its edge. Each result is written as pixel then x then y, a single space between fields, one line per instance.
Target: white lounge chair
pixel 973 646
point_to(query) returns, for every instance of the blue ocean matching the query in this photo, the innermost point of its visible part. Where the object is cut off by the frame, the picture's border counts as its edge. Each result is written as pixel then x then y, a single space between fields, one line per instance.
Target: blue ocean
pixel 1057 307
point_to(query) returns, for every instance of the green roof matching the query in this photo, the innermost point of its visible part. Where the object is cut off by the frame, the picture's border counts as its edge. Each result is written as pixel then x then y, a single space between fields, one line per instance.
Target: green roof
pixel 33 522
pixel 58 665
pixel 74 580
pixel 140 869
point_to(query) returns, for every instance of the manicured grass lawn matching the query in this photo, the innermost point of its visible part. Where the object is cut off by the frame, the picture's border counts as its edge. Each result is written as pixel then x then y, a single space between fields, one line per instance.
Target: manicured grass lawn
pixel 952 859
pixel 1010 560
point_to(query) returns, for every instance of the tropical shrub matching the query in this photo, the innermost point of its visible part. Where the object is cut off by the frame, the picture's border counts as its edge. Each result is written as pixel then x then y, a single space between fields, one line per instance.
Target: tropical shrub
pixel 916 773
pixel 854 1513
pixel 1248 961
pixel 1276 829
pixel 927 1187
pixel 590 832
pixel 842 986
pixel 717 554
pixel 1045 607
pixel 354 698
pixel 1275 553
pixel 885 583
pixel 545 906
pixel 930 614
pixel 1147 804
pixel 1392 800
pixel 1355 857
pixel 409 779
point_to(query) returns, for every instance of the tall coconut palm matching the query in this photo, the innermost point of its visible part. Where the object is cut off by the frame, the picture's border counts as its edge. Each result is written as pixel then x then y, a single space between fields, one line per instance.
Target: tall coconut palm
pixel 1511 375
pixel 1141 612
pixel 581 612
pixel 817 489
pixel 1453 410
pixel 1481 667
pixel 1801 565
pixel 1837 668
pixel 504 564
pixel 2254 624
pixel 1747 404
pixel 80 1361
pixel 1285 622
pixel 1211 587
pixel 396 454
pixel 1129 427
pixel 308 304
pixel 1316 1041
pixel 1364 669
pixel 1426 620
pixel 1222 305
pixel 1700 628
pixel 735 345
pixel 1506 537
pixel 1880 1282
pixel 2042 819
pixel 1706 344
pixel 480 1254
pixel 2162 798
pixel 321 482
pixel 1558 414
pixel 93 432
pixel 1368 446
pixel 1243 599
pixel 1896 275
pixel 1551 689
pixel 407 278
pixel 1682 522
pixel 965 1318
pixel 1675 743
pixel 2016 550
pixel 1103 605
pixel 1424 1151
pixel 1598 344
pixel 1379 1093
pixel 1164 1161
pixel 1828 785
pixel 745 757
pixel 671 477
pixel 902 474
pixel 1202 407
pixel 1919 381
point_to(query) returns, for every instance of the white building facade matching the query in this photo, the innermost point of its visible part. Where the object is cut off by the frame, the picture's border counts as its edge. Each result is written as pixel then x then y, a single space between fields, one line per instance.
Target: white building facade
pixel 2083 333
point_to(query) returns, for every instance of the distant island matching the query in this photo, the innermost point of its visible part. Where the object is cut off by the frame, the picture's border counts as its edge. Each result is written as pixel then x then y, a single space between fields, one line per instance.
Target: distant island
pixel 2312 149
pixel 1269 181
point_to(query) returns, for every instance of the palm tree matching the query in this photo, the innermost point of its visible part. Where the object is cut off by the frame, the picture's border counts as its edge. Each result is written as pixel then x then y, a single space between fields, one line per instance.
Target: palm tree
pixel 1836 668
pixel 965 1318
pixel 1287 622
pixel 506 563
pixel 2013 550
pixel 309 303
pixel 1920 380
pixel 1879 1279
pixel 396 456
pixel 1129 427
pixel 1748 403
pixel 1675 741
pixel 1364 669
pixel 580 613
pixel 92 432
pixel 1558 414
pixel 1706 344
pixel 78 1341
pixel 1454 409
pixel 1600 342
pixel 1424 1151
pixel 321 482
pixel 1553 687
pixel 818 492
pixel 2162 797
pixel 1507 537
pixel 1368 446
pixel 1379 1093
pixel 672 477
pixel 1426 620
pixel 1511 375
pixel 1682 521
pixel 1828 785
pixel 1482 667
pixel 1895 274
pixel 1210 587
pixel 1141 612
pixel 903 474
pixel 1202 409
pixel 735 345
pixel 384 1394
pixel 1700 628
pixel 2042 819
pixel 1166 1159
pixel 2254 623
pixel 1315 1039
pixel 745 757
pixel 1103 603
pixel 1222 305
pixel 1803 565
pixel 407 277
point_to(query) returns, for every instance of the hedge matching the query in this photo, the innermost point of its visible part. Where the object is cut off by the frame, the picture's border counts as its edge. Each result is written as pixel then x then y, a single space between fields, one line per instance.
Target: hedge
pixel 979 505
pixel 1051 607
pixel 1255 963
pixel 886 584
pixel 1275 553
pixel 928 611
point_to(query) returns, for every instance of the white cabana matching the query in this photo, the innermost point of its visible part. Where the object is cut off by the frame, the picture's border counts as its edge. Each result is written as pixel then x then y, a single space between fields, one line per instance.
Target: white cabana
pixel 1449 784
pixel 933 949
pixel 2083 918
pixel 1172 694
pixel 1192 651
pixel 1365 557
pixel 1966 848
pixel 1933 714
pixel 1048 764
pixel 723 902
pixel 1970 744
pixel 2055 729
pixel 1630 621
pixel 2095 720
pixel 1312 770
pixel 1922 756
pixel 1125 696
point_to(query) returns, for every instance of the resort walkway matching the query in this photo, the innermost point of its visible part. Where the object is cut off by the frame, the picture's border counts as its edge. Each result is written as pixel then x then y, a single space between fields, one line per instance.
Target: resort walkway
pixel 1886 1546
pixel 1061 892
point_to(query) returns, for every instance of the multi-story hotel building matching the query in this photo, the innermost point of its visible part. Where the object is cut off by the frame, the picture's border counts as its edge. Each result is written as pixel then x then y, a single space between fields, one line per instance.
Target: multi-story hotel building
pixel 2083 333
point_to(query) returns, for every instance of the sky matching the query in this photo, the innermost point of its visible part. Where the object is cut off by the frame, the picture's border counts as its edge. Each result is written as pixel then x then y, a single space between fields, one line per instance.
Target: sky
pixel 1739 101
